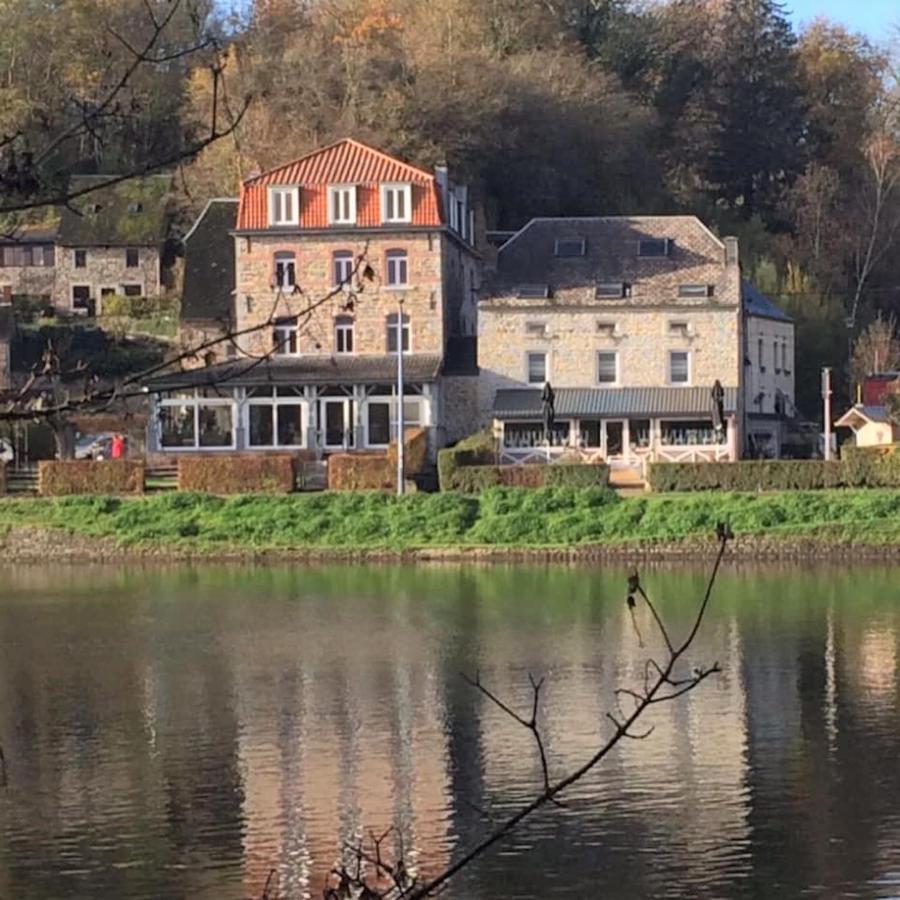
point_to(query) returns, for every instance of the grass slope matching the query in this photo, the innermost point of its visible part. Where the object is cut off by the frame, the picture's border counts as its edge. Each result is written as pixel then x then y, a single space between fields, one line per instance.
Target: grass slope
pixel 501 517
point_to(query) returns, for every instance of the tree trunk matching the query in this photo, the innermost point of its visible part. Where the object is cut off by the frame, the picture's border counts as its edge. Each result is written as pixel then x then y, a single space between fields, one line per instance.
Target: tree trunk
pixel 64 436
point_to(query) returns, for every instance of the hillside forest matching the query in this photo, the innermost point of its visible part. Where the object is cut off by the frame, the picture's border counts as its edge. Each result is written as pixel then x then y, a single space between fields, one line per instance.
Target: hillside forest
pixel 791 141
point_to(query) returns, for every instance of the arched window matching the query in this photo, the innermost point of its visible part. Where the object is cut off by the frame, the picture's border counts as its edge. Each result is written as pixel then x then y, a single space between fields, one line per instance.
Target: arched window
pixel 392 333
pixel 343 334
pixel 396 268
pixel 285 269
pixel 342 267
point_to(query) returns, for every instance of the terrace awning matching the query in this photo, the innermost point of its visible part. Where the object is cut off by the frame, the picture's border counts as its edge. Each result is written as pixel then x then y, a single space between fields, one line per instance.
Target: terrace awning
pixel 613 403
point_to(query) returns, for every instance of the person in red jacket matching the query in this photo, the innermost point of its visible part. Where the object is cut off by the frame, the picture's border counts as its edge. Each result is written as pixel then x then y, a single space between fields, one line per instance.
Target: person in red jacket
pixel 117 450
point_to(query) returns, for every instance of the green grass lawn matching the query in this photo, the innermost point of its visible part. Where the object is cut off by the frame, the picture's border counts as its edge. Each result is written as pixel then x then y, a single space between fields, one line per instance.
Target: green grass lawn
pixel 501 517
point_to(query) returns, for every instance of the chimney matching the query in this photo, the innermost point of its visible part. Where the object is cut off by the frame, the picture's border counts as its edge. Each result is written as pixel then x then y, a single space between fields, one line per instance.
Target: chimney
pixel 732 257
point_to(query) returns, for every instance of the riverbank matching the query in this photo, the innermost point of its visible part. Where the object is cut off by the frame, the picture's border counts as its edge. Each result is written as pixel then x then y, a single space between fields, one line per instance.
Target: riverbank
pixel 562 524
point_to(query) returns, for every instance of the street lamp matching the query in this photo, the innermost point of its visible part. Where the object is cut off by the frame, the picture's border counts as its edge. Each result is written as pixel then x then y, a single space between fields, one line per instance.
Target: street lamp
pixel 400 429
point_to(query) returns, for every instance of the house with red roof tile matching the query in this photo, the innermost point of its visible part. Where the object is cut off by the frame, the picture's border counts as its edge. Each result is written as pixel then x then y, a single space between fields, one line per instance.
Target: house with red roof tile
pixel 342 261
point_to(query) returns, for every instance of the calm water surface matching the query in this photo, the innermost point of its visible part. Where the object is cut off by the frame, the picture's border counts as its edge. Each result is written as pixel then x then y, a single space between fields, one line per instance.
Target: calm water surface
pixel 177 733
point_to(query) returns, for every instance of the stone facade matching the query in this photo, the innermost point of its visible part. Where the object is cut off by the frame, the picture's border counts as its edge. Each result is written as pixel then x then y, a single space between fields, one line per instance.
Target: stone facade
pixel 458 401
pixel 423 299
pixel 28 281
pixel 572 338
pixel 105 270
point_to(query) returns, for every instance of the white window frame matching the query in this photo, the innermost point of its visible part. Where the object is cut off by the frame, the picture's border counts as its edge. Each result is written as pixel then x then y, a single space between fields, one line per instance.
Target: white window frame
pixel 282 347
pixel 347 326
pixel 344 196
pixel 284 257
pixel 345 257
pixel 391 258
pixel 284 190
pixel 421 421
pixel 195 402
pixel 528 355
pixel 616 379
pixel 402 189
pixel 690 369
pixel 391 331
pixel 275 401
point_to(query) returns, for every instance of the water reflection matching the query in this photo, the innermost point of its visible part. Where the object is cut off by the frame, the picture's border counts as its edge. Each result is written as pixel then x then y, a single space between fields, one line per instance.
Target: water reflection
pixel 180 732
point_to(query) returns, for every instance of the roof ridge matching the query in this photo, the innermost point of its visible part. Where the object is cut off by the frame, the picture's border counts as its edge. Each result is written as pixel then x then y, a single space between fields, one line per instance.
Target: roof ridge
pixel 345 140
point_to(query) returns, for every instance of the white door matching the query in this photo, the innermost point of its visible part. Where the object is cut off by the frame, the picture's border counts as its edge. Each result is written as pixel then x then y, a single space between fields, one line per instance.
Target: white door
pixel 337 425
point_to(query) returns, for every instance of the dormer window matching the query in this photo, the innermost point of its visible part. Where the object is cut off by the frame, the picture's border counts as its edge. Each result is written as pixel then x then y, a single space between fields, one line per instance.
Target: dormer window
pixel 655 247
pixel 694 291
pixel 135 208
pixel 342 205
pixel 569 247
pixel 396 203
pixel 284 206
pixel 613 290
pixel 533 291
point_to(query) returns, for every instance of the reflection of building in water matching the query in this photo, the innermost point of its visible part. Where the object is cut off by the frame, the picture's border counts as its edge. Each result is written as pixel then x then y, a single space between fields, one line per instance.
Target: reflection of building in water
pixel 694 766
pixel 345 745
pixel 877 670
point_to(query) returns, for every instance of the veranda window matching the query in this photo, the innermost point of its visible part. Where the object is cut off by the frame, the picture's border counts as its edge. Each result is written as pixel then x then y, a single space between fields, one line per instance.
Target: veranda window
pixel 526 435
pixel 276 418
pixel 689 433
pixel 381 418
pixel 197 419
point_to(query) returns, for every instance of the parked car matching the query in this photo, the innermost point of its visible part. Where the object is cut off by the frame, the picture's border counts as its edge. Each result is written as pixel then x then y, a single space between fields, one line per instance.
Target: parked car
pixel 7 454
pixel 93 446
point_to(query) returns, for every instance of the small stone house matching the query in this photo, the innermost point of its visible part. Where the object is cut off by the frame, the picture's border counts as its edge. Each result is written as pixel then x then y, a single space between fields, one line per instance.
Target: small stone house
pixel 111 242
pixel 346 262
pixel 632 321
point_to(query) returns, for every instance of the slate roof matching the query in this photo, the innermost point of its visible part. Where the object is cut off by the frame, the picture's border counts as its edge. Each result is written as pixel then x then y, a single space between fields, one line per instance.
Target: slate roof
pixel 611 402
pixel 345 162
pixel 302 370
pixel 132 213
pixel 758 304
pixel 696 256
pixel 209 273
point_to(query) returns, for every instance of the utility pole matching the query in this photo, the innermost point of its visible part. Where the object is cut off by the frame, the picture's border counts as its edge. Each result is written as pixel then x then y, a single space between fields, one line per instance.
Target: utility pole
pixel 400 428
pixel 826 401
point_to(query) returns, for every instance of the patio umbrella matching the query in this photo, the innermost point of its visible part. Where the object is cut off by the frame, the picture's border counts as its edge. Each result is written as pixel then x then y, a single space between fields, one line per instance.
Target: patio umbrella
pixel 718 409
pixel 548 410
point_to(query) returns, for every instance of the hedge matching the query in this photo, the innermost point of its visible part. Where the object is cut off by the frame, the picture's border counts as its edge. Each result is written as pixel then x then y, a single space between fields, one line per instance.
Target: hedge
pixel 475 450
pixel 64 477
pixel 854 470
pixel 474 479
pixel 361 472
pixel 237 473
pixel 415 451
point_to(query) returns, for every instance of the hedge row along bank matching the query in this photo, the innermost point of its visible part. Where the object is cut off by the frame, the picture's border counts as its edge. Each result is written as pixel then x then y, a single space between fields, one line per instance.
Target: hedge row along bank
pixel 361 472
pixel 868 470
pixel 236 473
pixel 66 477
pixel 475 450
pixel 475 479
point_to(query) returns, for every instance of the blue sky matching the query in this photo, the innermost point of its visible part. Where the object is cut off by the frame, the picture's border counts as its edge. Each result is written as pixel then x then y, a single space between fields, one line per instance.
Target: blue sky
pixel 876 18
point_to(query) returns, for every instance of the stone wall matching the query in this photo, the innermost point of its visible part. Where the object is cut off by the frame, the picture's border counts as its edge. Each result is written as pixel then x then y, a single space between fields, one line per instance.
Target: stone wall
pixel 28 281
pixel 105 268
pixel 459 408
pixel 422 299
pixel 572 338
pixel 192 334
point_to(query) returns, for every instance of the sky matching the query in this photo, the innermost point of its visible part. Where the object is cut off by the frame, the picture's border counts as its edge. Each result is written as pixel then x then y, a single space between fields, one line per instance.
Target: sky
pixel 875 18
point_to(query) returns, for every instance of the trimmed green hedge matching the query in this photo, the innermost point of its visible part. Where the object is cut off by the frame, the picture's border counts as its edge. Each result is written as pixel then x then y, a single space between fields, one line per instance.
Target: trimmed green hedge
pixel 475 450
pixel 66 477
pixel 475 479
pixel 855 470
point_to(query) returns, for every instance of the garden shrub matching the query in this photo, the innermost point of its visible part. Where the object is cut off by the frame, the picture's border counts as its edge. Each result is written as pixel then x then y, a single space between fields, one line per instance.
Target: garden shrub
pixel 361 472
pixel 475 450
pixel 237 473
pixel 415 451
pixel 474 479
pixel 854 470
pixel 62 477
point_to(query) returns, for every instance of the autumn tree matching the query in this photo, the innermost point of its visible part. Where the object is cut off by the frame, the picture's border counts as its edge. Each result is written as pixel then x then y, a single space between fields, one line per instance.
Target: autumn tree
pixel 877 349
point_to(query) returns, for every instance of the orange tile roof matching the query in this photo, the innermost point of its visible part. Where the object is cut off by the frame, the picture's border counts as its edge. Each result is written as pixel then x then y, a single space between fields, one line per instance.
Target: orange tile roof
pixel 345 162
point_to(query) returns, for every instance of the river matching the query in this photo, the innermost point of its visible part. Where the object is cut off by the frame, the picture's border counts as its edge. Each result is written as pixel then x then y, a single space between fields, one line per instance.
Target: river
pixel 179 732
